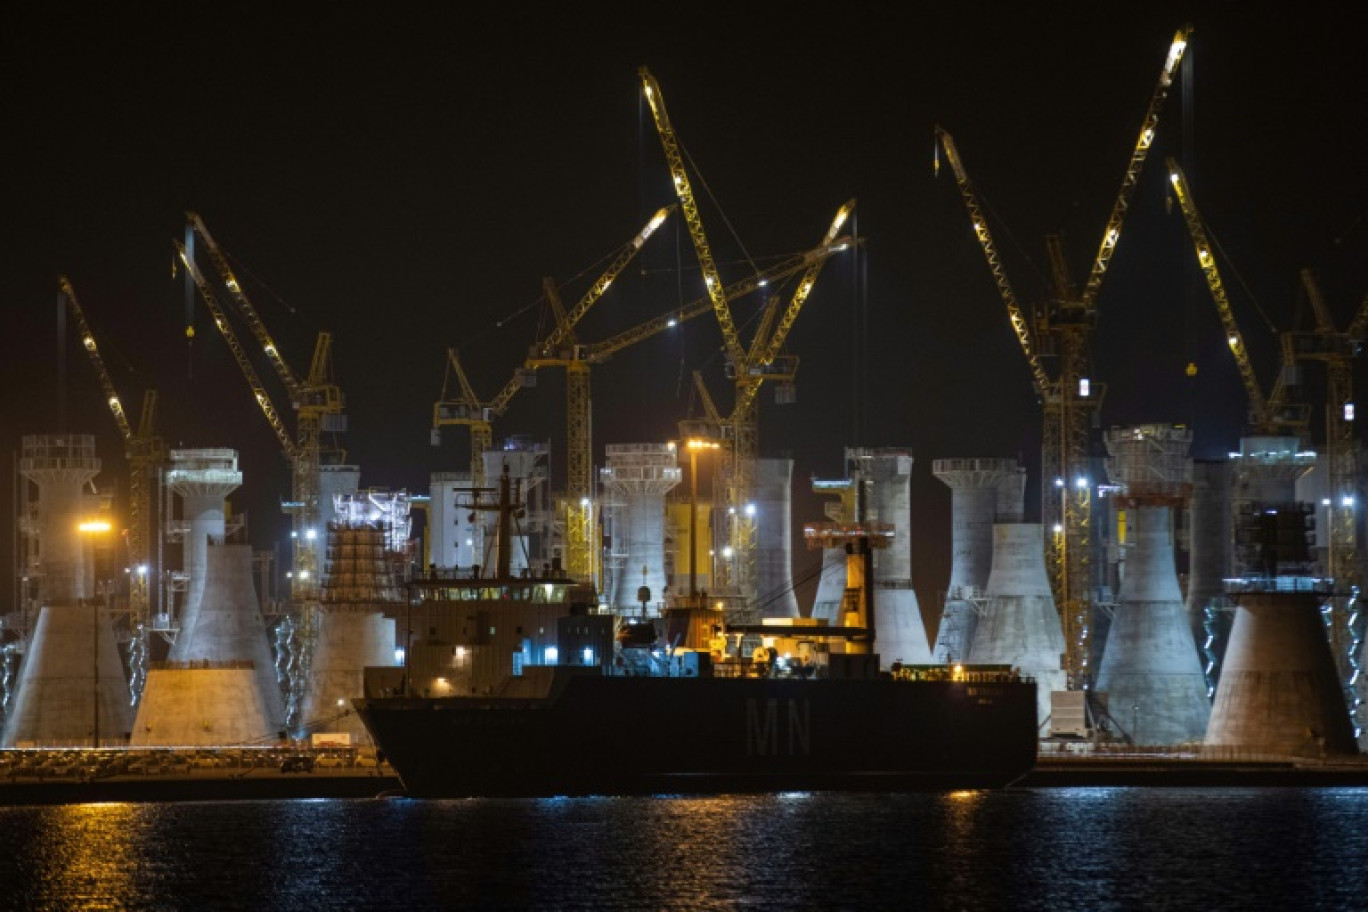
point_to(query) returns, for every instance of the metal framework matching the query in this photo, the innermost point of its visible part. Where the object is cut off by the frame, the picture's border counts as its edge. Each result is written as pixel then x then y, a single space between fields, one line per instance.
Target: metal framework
pixel 145 452
pixel 1070 400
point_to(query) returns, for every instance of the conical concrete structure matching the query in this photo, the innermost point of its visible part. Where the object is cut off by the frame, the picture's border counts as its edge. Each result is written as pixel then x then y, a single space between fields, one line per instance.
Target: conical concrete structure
pixel 975 486
pixel 218 684
pixel 1019 624
pixel 773 494
pixel 639 475
pixel 72 688
pixel 1279 692
pixel 362 593
pixel 1151 671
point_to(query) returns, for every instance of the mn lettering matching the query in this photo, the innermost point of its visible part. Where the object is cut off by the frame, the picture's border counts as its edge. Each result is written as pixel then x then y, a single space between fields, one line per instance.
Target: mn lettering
pixel 763 728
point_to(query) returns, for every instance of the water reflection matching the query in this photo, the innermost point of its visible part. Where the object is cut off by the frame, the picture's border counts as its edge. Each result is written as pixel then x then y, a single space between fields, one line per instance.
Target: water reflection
pixel 1017 849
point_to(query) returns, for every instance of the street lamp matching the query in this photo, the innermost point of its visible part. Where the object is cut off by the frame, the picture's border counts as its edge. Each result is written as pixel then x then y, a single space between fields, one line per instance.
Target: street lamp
pixel 693 445
pixel 95 527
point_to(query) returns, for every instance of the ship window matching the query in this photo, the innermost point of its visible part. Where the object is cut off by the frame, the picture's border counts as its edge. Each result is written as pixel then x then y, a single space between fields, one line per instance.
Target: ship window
pixel 491 631
pixel 588 655
pixel 552 655
pixel 518 664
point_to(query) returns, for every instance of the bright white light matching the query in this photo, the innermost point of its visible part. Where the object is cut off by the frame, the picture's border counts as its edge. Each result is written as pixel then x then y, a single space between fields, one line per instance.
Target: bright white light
pixel 303 574
pixel 341 702
pixel 1348 411
pixel 1084 387
pixel 142 569
pixel 1325 501
pixel 398 656
pixel 1233 340
pixel 588 655
pixel 584 501
pixel 470 542
pixel 311 535
pixel 1059 482
pixel 552 655
pixel 1348 501
pixel 727 552
pixel 1058 527
pixel 750 509
pixel 1080 483
pixel 673 322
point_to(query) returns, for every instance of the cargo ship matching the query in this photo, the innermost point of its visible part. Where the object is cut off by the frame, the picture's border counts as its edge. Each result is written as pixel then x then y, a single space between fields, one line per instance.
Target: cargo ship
pixel 523 685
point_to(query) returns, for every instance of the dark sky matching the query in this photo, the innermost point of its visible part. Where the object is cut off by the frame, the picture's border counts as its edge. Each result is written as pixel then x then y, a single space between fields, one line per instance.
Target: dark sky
pixel 403 176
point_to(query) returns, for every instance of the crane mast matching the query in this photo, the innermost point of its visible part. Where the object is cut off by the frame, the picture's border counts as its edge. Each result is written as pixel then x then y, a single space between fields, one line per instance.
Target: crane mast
pixel 144 451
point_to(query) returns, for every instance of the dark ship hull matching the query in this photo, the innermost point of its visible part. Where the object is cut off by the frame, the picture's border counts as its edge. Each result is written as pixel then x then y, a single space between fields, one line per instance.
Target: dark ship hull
pixel 591 733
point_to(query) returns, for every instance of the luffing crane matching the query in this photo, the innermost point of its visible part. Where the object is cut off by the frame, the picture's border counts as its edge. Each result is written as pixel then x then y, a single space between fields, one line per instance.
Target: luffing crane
pixel 469 409
pixel 561 349
pixel 319 409
pixel 145 452
pixel 1070 399
pixel 748 367
pixel 1274 414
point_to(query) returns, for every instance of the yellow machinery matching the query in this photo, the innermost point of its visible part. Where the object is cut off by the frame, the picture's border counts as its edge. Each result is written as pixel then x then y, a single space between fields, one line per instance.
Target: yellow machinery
pixel 747 367
pixel 1070 398
pixel 145 452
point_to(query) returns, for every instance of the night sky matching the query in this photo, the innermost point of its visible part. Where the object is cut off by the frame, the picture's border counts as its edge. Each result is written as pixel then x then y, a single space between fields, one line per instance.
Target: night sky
pixel 404 176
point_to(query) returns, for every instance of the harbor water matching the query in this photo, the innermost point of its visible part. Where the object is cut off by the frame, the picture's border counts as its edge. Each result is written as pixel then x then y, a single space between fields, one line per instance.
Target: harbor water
pixel 1014 849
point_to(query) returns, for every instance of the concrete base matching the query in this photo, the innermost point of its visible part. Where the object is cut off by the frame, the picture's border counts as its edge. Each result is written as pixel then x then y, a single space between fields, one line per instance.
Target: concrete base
pixel 900 634
pixel 57 694
pixel 1278 692
pixel 202 707
pixel 1152 675
pixel 347 644
pixel 958 622
pixel 226 625
pixel 1022 631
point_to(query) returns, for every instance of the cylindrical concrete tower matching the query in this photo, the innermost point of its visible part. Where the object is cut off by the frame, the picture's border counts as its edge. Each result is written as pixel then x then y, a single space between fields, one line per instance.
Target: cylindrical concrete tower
pixel 1019 624
pixel 826 603
pixel 975 490
pixel 773 497
pixel 203 479
pixel 885 475
pixel 362 590
pixel 61 467
pixel 526 463
pixel 1011 506
pixel 640 475
pixel 1151 671
pixel 1279 692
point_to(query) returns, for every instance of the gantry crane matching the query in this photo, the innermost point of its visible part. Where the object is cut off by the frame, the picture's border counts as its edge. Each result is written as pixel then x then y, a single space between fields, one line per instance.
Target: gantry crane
pixel 319 409
pixel 1070 398
pixel 145 452
pixel 747 367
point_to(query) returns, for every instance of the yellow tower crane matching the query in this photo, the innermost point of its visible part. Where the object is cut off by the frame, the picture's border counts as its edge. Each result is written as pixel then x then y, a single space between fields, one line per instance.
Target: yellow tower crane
pixel 319 409
pixel 1071 398
pixel 1274 414
pixel 747 367
pixel 562 349
pixel 145 452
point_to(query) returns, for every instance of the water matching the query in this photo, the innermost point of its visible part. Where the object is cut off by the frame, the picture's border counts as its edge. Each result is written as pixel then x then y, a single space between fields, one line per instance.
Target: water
pixel 1093 849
